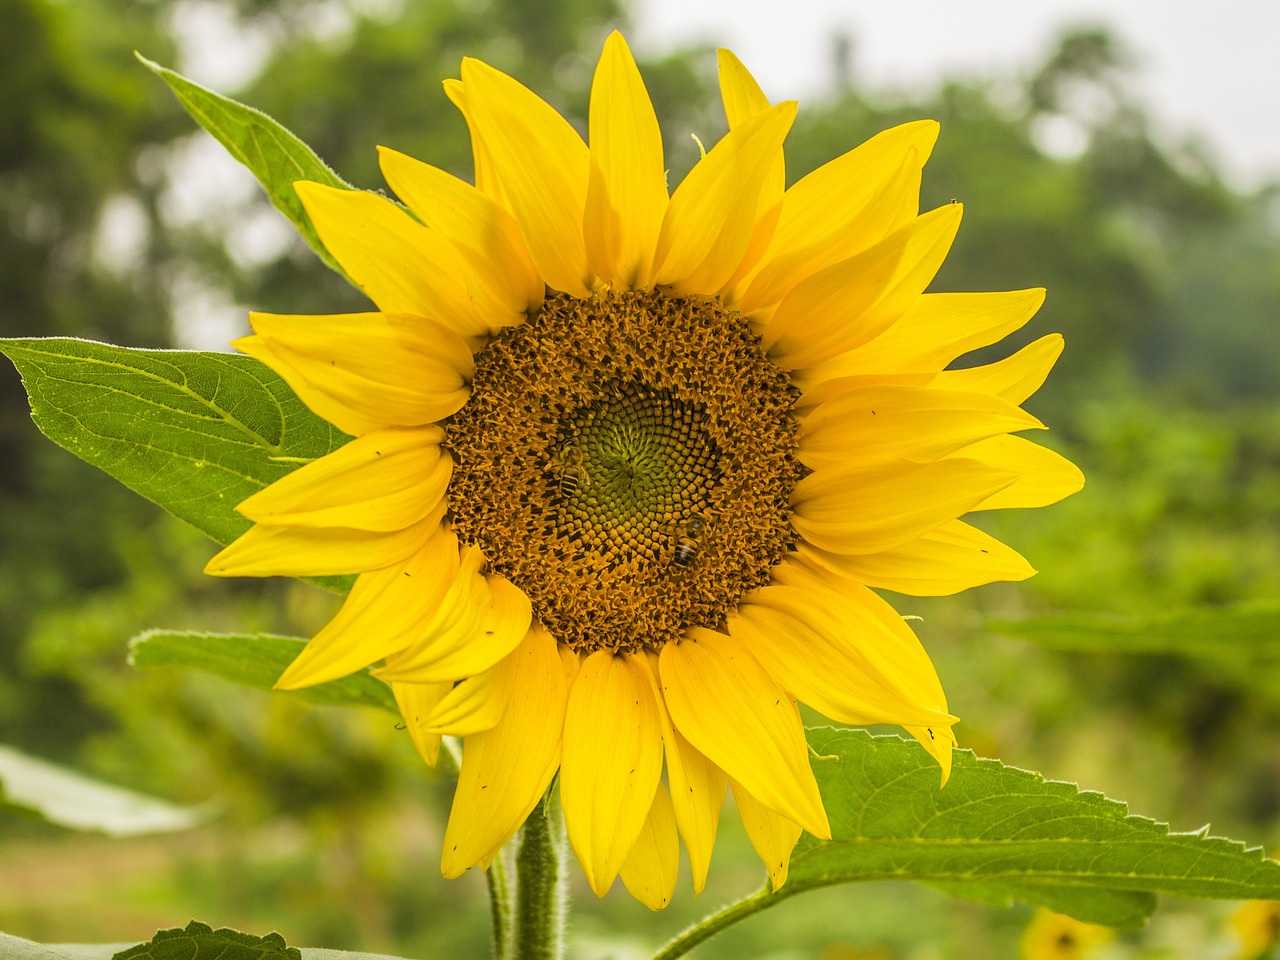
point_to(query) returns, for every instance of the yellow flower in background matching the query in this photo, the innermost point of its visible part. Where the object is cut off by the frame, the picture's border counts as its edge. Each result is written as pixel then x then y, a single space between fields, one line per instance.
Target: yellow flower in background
pixel 1052 936
pixel 628 463
pixel 1257 924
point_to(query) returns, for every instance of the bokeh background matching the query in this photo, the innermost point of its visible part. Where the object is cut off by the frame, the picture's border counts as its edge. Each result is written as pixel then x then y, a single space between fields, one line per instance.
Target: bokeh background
pixel 121 221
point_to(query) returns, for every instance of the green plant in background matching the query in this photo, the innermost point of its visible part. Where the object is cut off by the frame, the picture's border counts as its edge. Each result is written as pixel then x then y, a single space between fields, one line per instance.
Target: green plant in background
pixel 892 846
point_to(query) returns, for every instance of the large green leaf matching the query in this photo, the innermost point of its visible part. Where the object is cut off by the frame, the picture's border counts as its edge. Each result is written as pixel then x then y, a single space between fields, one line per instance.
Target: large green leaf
pixel 70 799
pixel 1124 909
pixel 197 941
pixel 194 432
pixel 1246 629
pixel 996 833
pixel 273 154
pixel 253 661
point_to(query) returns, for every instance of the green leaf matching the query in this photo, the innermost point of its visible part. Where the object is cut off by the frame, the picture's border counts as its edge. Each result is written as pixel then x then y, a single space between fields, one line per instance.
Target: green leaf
pixel 1123 909
pixel 273 154
pixel 70 799
pixel 194 432
pixel 199 941
pixel 996 833
pixel 254 661
pixel 1246 629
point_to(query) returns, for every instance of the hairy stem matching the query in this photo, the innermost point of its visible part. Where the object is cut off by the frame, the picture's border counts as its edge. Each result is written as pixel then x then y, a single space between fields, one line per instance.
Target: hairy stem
pixel 540 898
pixel 500 904
pixel 709 927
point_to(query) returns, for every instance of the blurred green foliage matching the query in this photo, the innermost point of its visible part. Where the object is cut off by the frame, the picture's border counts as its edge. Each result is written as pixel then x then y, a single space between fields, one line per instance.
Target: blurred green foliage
pixel 120 221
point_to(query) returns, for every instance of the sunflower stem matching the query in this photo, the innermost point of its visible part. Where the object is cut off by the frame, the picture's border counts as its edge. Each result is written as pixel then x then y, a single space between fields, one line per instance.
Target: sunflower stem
pixel 710 926
pixel 540 898
pixel 500 904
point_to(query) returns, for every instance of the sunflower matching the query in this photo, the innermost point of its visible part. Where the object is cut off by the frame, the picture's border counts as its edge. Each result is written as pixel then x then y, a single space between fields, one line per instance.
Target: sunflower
pixel 628 463
pixel 1053 936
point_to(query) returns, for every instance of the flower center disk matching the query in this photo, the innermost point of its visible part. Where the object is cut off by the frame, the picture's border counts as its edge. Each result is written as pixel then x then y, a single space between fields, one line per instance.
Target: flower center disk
pixel 627 461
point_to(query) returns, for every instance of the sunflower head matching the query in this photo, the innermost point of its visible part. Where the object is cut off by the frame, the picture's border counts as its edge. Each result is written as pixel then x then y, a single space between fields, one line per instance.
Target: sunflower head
pixel 628 464
pixel 649 448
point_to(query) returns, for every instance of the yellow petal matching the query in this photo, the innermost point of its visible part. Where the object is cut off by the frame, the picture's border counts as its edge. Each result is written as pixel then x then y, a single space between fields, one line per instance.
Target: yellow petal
pixel 821 392
pixel 627 194
pixel 946 560
pixel 270 551
pixel 1014 378
pixel 732 711
pixel 739 91
pixel 416 700
pixel 479 621
pixel 544 168
pixel 651 867
pixel 866 510
pixel 386 480
pixel 507 769
pixel 384 612
pixel 848 303
pixel 365 371
pixel 784 272
pixel 892 422
pixel 772 836
pixel 486 176
pixel 892 651
pixel 612 762
pixel 712 215
pixel 939 742
pixel 1043 476
pixel 399 263
pixel 571 662
pixel 937 328
pixel 846 652
pixel 843 207
pixel 471 705
pixel 697 789
pixel 502 280
pixel 743 99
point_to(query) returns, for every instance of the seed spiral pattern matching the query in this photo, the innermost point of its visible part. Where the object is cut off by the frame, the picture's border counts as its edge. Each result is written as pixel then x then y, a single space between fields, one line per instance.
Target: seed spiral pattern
pixel 627 461
pixel 633 469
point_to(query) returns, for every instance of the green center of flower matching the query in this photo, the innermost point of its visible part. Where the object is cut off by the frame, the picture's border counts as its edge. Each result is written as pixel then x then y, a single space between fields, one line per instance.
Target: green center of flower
pixel 635 468
pixel 627 460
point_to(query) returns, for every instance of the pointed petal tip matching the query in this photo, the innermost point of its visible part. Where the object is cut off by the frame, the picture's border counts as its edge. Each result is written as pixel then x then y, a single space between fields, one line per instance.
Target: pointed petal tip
pixel 450 868
pixel 308 188
pixel 598 887
pixel 944 764
pixel 222 563
pixel 293 678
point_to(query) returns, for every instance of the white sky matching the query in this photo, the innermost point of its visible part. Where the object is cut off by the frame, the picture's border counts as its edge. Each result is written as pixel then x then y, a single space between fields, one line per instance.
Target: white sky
pixel 1211 68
